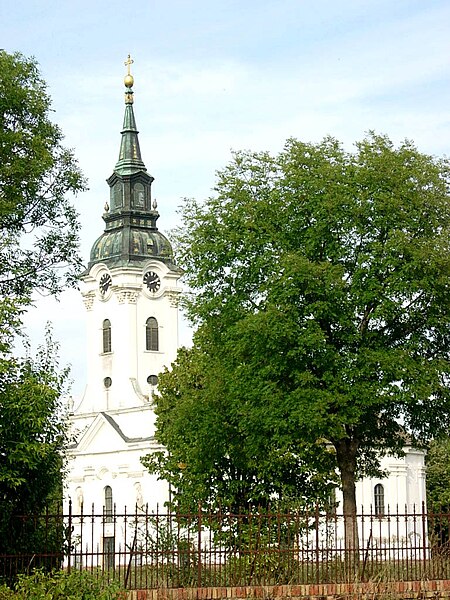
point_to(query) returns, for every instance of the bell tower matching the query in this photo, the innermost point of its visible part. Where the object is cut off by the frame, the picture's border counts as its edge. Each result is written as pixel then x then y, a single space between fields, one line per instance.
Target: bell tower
pixel 130 286
pixel 130 293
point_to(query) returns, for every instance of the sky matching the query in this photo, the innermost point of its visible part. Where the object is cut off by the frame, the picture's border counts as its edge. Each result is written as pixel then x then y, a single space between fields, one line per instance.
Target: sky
pixel 212 76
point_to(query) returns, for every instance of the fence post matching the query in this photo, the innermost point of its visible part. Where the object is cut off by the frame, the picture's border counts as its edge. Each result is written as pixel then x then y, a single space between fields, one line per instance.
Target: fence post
pixel 424 535
pixel 199 547
pixel 133 548
pixel 69 538
pixel 317 545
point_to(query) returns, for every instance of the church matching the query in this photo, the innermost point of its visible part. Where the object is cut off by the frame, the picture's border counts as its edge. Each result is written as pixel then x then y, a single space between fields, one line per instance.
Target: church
pixel 130 292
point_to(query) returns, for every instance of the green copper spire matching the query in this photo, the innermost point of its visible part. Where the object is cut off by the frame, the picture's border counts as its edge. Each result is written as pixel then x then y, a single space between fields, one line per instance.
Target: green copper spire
pixel 131 236
pixel 130 160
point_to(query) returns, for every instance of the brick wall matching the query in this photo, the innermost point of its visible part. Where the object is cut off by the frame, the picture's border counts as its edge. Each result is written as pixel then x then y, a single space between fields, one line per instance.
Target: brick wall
pixel 405 590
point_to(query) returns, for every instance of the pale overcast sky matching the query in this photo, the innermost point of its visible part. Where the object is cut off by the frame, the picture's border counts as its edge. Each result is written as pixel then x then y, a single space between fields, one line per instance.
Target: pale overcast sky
pixel 216 75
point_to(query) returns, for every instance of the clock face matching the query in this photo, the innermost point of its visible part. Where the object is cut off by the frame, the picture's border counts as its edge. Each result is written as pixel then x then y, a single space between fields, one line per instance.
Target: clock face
pixel 105 283
pixel 152 281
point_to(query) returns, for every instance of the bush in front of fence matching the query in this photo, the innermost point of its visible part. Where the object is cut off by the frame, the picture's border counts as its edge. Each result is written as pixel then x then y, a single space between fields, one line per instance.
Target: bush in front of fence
pixel 60 585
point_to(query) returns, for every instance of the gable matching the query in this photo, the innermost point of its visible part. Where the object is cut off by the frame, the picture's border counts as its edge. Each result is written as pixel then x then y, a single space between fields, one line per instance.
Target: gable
pixel 104 435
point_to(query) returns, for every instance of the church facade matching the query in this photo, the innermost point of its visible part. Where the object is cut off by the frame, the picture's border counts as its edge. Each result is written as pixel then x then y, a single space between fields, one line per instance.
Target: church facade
pixel 130 291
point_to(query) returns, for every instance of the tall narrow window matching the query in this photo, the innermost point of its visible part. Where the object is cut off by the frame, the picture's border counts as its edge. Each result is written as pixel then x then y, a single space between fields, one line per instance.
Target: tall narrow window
pixel 138 195
pixel 151 334
pixel 378 493
pixel 116 195
pixel 108 504
pixel 109 552
pixel 106 335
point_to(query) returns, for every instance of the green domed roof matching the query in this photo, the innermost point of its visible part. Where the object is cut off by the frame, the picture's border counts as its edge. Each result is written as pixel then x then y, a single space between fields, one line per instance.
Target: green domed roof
pixel 131 235
pixel 128 246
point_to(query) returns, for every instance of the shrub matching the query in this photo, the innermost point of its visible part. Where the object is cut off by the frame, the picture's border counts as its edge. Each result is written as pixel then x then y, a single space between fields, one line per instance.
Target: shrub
pixel 60 585
pixel 6 593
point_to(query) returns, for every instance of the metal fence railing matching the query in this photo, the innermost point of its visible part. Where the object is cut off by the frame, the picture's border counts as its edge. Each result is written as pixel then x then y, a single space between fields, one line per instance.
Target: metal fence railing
pixel 146 549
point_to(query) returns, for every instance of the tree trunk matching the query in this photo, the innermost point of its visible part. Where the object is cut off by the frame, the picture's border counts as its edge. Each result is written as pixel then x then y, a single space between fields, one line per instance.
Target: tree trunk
pixel 346 450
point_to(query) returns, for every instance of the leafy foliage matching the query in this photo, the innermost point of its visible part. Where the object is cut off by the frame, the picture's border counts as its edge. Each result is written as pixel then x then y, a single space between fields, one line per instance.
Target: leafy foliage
pixel 438 493
pixel 212 459
pixel 170 546
pixel 36 175
pixel 438 475
pixel 59 585
pixel 38 253
pixel 33 438
pixel 320 284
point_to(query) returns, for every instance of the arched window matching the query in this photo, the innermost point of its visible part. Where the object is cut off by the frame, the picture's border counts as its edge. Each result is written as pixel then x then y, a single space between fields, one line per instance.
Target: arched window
pixel 106 335
pixel 108 504
pixel 116 195
pixel 151 334
pixel 378 493
pixel 138 195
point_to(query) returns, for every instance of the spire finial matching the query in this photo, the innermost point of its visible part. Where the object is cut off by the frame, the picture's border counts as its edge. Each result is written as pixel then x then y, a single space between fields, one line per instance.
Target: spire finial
pixel 129 79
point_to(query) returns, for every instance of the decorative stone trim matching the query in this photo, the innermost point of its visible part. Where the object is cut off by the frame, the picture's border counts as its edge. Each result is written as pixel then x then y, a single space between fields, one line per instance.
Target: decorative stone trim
pixel 174 296
pixel 88 300
pixel 127 296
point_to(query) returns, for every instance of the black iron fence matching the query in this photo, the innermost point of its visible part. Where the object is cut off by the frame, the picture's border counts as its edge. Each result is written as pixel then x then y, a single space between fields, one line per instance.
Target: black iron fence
pixel 146 549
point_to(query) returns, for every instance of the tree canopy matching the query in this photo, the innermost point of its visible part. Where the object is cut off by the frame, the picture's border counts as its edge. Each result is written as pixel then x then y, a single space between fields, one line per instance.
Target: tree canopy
pixel 33 439
pixel 319 280
pixel 438 475
pixel 38 223
pixel 38 253
pixel 209 456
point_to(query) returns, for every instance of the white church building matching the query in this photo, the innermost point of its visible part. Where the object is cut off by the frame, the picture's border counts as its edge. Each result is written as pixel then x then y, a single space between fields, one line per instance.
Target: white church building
pixel 130 291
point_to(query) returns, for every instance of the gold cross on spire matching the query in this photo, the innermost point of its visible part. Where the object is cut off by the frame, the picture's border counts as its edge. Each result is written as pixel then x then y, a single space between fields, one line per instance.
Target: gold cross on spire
pixel 128 64
pixel 129 79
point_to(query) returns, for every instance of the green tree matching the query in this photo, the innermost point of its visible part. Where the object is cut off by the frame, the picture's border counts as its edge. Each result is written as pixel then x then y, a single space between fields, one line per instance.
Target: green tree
pixel 211 458
pixel 438 491
pixel 33 438
pixel 320 282
pixel 38 253
pixel 438 475
pixel 38 223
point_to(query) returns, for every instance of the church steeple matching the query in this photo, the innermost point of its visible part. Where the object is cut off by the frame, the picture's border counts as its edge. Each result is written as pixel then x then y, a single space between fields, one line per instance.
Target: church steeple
pixel 130 160
pixel 131 235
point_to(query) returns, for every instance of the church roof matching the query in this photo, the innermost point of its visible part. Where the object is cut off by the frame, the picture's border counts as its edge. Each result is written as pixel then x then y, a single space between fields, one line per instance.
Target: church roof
pixel 130 160
pixel 116 427
pixel 92 426
pixel 131 235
